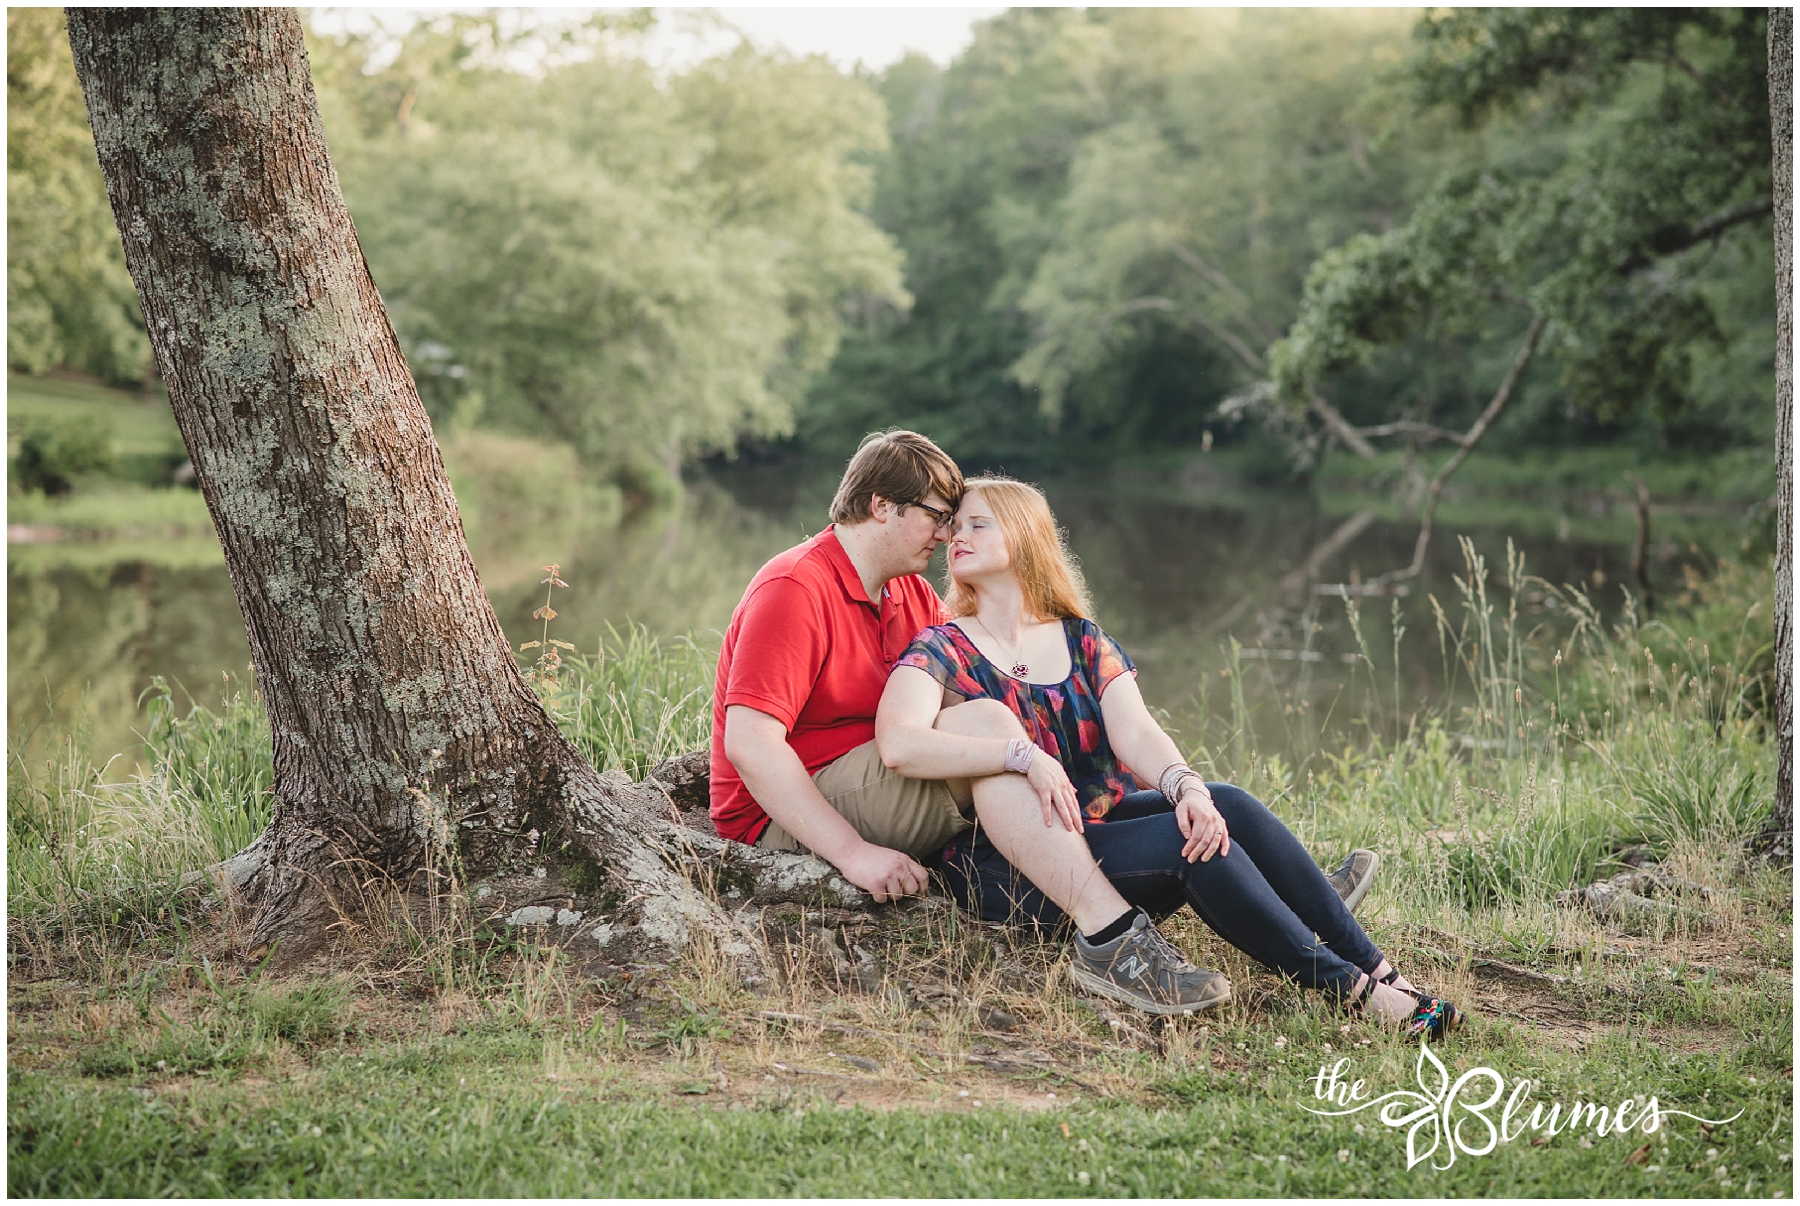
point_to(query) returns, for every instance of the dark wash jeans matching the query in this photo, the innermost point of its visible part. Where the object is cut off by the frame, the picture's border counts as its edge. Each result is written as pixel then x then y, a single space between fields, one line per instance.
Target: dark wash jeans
pixel 1267 897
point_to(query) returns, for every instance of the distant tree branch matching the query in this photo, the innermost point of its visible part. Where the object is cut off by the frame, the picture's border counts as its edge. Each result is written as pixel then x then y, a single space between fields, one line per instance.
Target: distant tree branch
pixel 1215 275
pixel 1467 445
pixel 1693 72
pixel 1411 427
pixel 1259 393
pixel 1230 339
pixel 1671 239
pixel 1296 578
pixel 1137 304
pixel 1337 425
pixel 1725 219
pixel 1206 322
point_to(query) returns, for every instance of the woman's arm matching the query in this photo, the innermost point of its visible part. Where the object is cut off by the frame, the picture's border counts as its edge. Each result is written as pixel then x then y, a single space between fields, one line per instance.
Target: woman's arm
pixel 909 741
pixel 909 744
pixel 1146 751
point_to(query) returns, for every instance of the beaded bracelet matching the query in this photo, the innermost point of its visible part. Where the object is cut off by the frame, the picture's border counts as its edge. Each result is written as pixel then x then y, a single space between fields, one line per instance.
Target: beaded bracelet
pixel 1019 752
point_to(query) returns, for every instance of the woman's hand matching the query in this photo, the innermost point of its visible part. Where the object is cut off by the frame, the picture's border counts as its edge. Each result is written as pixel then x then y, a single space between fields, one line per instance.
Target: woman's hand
pixel 1200 823
pixel 1055 792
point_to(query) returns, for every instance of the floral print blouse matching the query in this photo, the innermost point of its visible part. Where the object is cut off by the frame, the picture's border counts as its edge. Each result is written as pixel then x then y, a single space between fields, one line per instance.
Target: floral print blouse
pixel 1063 719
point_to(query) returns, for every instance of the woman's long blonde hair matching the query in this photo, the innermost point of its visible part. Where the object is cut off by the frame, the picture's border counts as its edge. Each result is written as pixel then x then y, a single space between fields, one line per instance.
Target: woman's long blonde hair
pixel 1052 582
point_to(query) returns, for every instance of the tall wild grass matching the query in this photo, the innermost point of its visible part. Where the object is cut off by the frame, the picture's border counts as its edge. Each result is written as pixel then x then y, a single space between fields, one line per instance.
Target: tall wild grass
pixel 1570 741
pixel 92 857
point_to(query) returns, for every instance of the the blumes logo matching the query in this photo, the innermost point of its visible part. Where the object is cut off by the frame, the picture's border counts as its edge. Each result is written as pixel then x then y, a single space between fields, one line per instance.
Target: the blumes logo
pixel 1454 1117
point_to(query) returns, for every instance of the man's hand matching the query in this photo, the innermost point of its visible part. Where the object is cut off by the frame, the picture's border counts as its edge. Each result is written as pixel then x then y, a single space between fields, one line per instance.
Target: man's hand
pixel 883 873
pixel 1200 823
pixel 1055 793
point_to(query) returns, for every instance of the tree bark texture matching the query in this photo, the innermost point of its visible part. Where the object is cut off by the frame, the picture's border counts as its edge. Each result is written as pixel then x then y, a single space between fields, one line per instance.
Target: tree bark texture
pixel 401 723
pixel 1779 837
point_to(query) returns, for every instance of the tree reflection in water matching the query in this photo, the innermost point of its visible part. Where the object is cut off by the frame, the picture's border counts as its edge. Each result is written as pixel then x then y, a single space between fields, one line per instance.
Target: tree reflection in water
pixel 1175 570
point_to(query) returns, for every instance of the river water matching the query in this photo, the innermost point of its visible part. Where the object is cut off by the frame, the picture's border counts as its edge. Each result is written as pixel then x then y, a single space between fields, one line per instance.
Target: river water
pixel 1178 565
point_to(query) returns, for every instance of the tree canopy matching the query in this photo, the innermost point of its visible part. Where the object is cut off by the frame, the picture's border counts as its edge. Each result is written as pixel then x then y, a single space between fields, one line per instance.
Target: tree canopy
pixel 1110 216
pixel 645 269
pixel 1094 231
pixel 1622 185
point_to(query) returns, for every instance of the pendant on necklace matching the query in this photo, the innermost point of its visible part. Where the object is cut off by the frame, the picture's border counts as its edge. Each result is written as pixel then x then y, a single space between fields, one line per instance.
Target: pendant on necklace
pixel 1020 670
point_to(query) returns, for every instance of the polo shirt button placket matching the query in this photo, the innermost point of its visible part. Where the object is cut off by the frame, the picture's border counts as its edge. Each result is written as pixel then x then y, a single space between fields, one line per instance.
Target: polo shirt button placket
pixel 884 608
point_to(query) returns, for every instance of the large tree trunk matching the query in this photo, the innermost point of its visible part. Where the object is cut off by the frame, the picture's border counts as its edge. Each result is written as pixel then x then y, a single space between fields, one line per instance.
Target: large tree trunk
pixel 1779 836
pixel 401 723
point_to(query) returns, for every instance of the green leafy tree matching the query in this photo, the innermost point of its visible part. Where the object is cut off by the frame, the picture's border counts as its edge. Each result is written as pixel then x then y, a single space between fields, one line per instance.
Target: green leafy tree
pixel 69 299
pixel 1107 217
pixel 1625 172
pixel 645 270
pixel 980 150
pixel 1264 145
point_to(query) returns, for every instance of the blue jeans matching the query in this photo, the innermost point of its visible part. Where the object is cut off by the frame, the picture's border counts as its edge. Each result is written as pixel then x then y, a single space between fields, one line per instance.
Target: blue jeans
pixel 1267 897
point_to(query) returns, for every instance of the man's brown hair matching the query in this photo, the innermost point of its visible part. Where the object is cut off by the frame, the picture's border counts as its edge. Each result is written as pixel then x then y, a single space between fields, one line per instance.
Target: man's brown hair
pixel 902 467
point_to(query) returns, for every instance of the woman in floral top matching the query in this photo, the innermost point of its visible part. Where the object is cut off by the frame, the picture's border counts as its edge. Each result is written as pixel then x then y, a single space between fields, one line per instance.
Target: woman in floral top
pixel 1062 719
pixel 1022 639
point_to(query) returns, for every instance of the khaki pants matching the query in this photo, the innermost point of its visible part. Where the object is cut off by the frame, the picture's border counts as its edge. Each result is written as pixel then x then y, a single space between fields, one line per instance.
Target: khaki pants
pixel 913 816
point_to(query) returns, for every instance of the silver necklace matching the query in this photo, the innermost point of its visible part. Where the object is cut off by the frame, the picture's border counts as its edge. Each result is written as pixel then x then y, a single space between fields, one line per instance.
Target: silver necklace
pixel 1019 668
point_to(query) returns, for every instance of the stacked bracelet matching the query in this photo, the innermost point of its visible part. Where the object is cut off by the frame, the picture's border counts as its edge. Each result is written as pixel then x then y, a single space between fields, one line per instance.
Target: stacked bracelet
pixel 1019 752
pixel 1169 783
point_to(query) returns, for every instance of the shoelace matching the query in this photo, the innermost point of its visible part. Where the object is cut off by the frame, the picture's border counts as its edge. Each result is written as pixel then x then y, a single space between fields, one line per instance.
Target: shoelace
pixel 1167 950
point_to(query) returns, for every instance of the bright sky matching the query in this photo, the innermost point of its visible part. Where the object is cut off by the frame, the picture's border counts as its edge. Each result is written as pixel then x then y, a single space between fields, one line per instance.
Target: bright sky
pixel 875 37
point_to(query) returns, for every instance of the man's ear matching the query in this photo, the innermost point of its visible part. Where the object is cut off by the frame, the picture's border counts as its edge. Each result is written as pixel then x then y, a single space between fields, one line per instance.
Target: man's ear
pixel 876 502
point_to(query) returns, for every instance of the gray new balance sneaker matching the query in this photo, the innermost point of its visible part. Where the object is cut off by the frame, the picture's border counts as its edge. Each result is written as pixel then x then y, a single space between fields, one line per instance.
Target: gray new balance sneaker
pixel 1144 971
pixel 1353 877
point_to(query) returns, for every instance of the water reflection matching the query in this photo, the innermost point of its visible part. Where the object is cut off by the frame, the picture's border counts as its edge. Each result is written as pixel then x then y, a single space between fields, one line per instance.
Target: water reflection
pixel 84 640
pixel 1177 569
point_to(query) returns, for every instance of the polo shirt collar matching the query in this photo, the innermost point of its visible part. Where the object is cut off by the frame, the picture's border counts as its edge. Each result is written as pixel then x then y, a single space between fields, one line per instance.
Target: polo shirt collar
pixel 848 578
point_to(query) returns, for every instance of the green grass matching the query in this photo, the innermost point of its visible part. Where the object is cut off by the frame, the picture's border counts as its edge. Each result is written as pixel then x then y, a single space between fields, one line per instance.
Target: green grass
pixel 637 699
pixel 105 552
pixel 503 483
pixel 139 1068
pixel 1578 739
pixel 517 1112
pixel 142 424
pixel 133 504
pixel 119 510
pixel 105 862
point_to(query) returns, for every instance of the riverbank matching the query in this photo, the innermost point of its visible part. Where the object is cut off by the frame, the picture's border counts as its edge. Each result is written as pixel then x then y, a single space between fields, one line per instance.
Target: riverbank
pixel 504 477
pixel 118 583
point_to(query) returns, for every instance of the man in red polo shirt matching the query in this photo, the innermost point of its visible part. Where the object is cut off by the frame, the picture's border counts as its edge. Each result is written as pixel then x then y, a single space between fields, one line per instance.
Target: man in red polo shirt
pixel 803 665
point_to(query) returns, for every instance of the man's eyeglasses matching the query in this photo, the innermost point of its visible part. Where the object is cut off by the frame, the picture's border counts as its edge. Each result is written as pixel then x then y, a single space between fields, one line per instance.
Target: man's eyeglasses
pixel 942 519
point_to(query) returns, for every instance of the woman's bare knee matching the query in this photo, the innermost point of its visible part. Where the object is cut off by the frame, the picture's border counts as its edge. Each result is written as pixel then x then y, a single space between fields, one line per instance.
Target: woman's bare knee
pixel 979 718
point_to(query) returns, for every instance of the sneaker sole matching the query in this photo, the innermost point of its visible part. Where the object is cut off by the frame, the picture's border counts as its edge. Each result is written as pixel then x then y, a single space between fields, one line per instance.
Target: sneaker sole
pixel 1106 988
pixel 1362 888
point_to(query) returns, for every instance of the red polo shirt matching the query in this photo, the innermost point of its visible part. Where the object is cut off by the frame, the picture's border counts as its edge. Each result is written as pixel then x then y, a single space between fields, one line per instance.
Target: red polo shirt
pixel 809 647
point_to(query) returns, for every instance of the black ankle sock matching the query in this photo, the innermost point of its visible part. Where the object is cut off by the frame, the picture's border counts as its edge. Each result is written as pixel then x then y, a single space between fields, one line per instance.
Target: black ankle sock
pixel 1117 929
